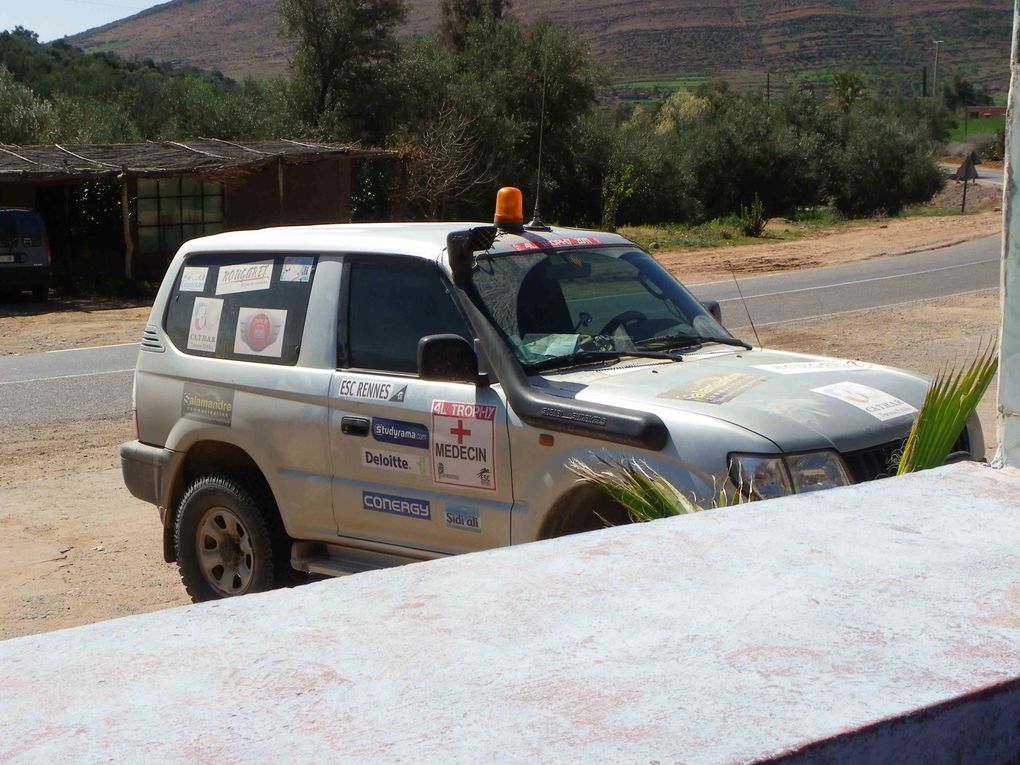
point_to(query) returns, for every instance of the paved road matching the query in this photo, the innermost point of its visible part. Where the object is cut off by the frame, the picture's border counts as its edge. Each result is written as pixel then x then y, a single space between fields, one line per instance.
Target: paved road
pixel 45 388
pixel 963 268
pixel 41 388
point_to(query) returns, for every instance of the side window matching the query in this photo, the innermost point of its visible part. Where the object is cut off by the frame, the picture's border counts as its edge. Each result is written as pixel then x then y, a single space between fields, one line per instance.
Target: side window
pixel 246 307
pixel 392 305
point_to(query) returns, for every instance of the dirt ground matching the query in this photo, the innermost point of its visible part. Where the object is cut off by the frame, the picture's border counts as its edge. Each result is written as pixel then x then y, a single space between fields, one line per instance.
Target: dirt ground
pixel 76 548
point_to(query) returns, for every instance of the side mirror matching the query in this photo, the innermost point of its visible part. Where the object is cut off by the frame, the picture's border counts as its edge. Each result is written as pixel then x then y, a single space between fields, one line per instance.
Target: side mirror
pixel 712 306
pixel 447 358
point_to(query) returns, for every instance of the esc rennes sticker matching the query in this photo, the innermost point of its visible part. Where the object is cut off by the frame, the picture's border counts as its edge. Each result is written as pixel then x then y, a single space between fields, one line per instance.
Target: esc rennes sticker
pixel 462 445
pixel 260 332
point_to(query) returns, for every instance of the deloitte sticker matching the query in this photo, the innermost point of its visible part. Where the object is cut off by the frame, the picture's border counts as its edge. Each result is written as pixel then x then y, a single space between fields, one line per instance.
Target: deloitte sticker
pixel 394 461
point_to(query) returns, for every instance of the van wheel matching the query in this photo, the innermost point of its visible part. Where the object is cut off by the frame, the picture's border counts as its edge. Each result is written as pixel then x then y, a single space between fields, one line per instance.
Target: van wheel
pixel 41 292
pixel 223 540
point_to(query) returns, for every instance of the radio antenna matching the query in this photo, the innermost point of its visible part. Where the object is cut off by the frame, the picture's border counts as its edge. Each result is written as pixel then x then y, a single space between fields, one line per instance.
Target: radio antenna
pixel 746 309
pixel 536 219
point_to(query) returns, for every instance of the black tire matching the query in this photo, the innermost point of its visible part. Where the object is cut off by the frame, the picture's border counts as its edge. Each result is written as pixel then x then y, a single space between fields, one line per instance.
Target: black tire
pixel 227 538
pixel 41 292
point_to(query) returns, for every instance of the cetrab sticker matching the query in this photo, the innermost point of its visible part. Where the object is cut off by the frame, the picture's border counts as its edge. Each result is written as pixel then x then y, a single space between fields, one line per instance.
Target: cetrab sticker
pixel 205 324
pixel 878 404
pixel 260 332
pixel 463 442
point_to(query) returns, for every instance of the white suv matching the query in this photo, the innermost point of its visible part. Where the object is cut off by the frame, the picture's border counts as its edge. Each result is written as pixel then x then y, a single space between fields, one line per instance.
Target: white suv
pixel 337 398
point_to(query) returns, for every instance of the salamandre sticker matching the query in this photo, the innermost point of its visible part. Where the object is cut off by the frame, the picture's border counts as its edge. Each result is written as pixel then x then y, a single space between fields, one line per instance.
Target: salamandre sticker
pixel 463 442
pixel 260 332
pixel 205 324
pixel 714 390
pixel 878 404
pixel 213 405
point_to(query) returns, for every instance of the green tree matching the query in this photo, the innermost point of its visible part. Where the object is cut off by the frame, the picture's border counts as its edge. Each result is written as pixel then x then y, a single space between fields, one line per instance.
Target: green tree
pixel 24 115
pixel 345 49
pixel 961 93
pixel 883 165
pixel 847 89
pixel 456 16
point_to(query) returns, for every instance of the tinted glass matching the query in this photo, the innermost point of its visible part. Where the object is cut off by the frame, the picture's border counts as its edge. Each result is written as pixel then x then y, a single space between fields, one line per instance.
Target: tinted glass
pixel 394 304
pixel 246 307
pixel 555 304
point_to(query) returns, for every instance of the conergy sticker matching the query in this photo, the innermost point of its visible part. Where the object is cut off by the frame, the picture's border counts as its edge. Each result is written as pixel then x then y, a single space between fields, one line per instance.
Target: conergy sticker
pixel 212 405
pixel 807 367
pixel 193 278
pixel 878 404
pixel 205 324
pixel 463 445
pixel 409 507
pixel 246 277
pixel 260 332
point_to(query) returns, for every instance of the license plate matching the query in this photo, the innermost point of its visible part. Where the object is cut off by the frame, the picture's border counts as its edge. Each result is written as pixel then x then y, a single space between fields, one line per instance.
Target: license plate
pixel 6 258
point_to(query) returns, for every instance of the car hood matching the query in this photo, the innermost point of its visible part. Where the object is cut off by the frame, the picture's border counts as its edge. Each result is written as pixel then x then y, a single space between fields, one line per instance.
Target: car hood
pixel 797 401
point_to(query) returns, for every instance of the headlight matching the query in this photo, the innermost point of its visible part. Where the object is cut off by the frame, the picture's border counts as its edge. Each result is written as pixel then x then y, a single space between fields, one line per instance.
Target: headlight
pixel 760 476
pixel 817 470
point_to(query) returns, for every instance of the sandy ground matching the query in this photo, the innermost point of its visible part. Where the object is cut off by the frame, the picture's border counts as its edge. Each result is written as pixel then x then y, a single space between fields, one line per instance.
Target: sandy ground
pixel 76 548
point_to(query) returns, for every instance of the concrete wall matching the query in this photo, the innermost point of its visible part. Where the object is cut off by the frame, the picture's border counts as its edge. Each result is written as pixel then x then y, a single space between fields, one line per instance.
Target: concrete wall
pixel 872 624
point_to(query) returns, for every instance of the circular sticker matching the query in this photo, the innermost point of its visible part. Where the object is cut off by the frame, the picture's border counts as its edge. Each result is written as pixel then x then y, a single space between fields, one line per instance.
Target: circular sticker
pixel 260 332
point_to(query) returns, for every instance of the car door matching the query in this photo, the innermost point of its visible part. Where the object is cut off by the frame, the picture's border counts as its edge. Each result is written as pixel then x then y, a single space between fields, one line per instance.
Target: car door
pixel 416 463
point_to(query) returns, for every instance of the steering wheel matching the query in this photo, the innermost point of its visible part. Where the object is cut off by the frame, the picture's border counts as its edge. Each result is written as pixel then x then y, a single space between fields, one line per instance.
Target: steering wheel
pixel 622 320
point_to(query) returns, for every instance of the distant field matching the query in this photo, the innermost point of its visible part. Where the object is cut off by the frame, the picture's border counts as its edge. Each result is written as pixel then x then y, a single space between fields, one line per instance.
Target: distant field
pixel 979 126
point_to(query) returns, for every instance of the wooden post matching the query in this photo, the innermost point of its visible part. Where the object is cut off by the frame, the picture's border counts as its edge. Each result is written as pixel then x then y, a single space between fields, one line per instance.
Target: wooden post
pixel 125 216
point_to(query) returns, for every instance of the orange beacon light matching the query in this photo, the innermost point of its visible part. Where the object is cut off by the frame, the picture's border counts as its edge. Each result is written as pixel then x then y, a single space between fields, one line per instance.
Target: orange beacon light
pixel 509 209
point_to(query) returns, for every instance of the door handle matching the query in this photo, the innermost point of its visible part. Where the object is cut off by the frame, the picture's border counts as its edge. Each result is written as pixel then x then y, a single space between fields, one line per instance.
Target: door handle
pixel 354 426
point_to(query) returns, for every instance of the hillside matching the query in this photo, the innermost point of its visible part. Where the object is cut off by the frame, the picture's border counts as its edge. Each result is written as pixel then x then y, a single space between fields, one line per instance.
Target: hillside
pixel 737 39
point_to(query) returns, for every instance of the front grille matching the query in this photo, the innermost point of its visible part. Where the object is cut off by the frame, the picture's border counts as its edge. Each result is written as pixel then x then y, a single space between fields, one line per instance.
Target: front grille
pixel 880 461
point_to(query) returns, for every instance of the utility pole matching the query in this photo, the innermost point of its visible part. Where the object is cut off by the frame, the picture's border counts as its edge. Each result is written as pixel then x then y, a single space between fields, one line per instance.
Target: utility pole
pixel 935 72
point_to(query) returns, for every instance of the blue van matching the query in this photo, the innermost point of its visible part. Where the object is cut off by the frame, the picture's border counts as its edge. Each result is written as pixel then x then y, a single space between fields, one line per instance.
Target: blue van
pixel 25 257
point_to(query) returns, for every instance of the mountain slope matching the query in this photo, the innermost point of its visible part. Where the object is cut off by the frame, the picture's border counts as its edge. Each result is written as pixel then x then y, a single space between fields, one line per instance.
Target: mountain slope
pixel 890 40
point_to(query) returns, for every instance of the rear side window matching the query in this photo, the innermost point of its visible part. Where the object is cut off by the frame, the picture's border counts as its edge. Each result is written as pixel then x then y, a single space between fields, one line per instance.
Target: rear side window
pixel 245 307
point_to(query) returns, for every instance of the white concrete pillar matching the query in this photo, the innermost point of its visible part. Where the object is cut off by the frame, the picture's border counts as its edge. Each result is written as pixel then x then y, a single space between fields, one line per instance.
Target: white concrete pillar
pixel 1009 339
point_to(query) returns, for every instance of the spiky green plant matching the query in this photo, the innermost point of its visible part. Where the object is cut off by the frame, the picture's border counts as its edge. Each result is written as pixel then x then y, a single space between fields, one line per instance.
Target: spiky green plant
pixel 640 490
pixel 951 399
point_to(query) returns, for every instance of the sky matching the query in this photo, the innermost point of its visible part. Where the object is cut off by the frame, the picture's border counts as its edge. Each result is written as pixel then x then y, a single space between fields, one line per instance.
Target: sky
pixel 53 19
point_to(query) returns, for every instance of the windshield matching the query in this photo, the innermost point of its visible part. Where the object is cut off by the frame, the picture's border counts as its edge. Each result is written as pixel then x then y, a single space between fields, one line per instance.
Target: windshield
pixel 589 304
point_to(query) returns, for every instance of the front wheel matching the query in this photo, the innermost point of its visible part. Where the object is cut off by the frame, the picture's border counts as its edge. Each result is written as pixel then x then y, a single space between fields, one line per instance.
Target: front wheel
pixel 223 539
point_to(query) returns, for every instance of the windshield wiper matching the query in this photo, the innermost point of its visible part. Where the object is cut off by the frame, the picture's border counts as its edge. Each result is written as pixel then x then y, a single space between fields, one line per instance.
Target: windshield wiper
pixel 588 357
pixel 689 341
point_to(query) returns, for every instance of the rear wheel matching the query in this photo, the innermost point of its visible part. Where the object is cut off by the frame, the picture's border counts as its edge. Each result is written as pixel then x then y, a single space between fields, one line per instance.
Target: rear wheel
pixel 226 540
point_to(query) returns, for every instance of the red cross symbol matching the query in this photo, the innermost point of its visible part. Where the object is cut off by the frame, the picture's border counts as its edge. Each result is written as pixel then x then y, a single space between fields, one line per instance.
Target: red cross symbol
pixel 460 431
